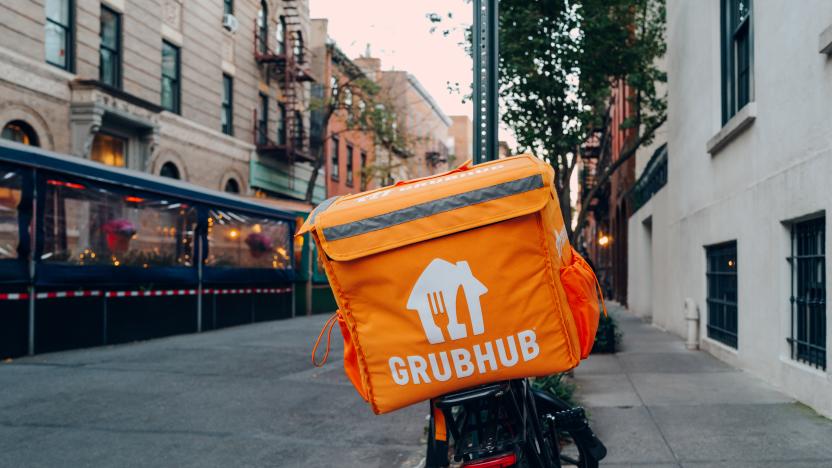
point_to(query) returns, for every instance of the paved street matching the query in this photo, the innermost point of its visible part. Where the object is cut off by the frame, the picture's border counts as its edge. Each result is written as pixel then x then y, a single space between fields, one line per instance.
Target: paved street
pixel 245 396
pixel 657 404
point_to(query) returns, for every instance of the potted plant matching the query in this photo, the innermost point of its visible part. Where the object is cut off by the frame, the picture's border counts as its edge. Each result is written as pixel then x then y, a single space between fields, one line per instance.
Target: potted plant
pixel 118 233
pixel 258 244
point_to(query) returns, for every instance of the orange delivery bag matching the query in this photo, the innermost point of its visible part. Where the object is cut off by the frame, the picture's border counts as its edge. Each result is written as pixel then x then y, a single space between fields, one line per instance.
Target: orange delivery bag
pixel 455 280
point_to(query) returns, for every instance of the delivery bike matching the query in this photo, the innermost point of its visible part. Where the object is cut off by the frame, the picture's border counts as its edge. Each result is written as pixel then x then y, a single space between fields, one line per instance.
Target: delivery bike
pixel 509 424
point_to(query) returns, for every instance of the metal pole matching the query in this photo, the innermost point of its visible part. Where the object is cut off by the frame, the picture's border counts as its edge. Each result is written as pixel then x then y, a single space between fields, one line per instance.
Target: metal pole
pixel 198 244
pixel 33 242
pixel 486 80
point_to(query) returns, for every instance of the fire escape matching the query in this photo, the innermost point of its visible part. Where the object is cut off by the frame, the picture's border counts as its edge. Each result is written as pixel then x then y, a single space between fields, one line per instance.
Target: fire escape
pixel 289 65
pixel 596 148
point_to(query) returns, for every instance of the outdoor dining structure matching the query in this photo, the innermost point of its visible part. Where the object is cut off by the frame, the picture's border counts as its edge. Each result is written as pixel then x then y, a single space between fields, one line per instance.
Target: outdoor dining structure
pixel 93 255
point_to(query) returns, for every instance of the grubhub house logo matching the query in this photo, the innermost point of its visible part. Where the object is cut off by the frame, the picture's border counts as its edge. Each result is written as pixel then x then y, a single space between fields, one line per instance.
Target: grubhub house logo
pixel 434 298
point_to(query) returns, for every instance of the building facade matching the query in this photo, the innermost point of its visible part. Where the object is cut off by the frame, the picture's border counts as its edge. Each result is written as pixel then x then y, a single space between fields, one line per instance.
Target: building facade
pixel 462 132
pixel 192 90
pixel 731 225
pixel 423 124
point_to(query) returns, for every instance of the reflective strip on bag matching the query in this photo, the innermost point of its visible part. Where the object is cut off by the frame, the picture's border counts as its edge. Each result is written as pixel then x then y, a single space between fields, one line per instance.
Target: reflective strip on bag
pixel 434 207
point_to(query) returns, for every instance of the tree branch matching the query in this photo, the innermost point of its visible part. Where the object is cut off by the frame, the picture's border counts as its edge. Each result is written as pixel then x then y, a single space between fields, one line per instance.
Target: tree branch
pixel 610 170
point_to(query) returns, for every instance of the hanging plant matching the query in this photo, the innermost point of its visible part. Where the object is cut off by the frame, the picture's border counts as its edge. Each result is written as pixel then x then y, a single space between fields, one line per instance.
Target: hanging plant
pixel 258 244
pixel 118 233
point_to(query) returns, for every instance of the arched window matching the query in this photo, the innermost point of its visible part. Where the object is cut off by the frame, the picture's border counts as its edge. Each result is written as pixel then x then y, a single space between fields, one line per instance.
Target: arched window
pixel 169 170
pixel 21 132
pixel 297 47
pixel 263 27
pixel 232 186
pixel 281 35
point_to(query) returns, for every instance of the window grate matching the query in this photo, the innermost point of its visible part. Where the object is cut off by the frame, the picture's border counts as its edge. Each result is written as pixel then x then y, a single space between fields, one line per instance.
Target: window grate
pixel 722 293
pixel 808 321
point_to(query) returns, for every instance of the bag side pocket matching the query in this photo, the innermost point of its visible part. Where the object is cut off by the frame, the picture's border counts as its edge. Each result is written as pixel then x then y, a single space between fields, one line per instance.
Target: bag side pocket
pixel 351 359
pixel 583 294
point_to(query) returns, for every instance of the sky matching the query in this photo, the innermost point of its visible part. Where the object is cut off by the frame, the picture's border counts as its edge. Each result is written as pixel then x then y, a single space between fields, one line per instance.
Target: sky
pixel 398 32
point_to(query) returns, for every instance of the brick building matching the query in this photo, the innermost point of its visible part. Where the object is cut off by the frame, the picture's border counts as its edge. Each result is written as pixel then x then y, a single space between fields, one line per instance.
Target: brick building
pixel 605 234
pixel 348 152
pixel 208 92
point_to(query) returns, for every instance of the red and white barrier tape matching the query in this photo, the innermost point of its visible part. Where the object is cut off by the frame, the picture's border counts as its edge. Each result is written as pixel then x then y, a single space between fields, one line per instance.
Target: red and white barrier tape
pixel 13 296
pixel 155 293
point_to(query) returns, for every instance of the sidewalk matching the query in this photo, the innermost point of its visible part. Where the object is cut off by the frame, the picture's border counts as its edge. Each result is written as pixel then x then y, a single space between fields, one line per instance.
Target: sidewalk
pixel 656 404
pixel 236 397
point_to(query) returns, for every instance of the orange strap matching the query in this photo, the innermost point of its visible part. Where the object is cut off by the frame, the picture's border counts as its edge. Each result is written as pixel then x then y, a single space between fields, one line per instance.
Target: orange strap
pixel 440 431
pixel 601 295
pixel 330 323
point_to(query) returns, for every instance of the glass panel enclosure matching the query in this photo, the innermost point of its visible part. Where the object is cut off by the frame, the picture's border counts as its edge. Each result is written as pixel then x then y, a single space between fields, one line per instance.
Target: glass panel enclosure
pixel 85 224
pixel 11 190
pixel 242 241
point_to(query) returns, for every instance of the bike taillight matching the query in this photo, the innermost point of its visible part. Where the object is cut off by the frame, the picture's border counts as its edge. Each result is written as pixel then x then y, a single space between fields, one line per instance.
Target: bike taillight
pixel 500 461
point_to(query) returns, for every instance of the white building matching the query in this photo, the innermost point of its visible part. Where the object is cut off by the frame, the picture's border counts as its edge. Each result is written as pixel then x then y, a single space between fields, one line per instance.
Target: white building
pixel 740 225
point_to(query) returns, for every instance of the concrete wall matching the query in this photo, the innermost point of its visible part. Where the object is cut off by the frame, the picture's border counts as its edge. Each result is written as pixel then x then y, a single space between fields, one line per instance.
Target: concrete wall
pixel 775 170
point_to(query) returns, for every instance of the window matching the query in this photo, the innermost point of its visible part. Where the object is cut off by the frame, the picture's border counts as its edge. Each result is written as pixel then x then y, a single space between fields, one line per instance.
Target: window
pixel 300 133
pixel 281 124
pixel 228 7
pixel 109 149
pixel 232 186
pixel 91 224
pixel 737 56
pixel 263 28
pixel 227 116
pixel 110 53
pixel 263 121
pixel 335 156
pixel 170 77
pixel 281 36
pixel 21 132
pixel 362 110
pixel 297 47
pixel 169 170
pixel 808 262
pixel 59 32
pixel 363 168
pixel 350 175
pixel 722 293
pixel 348 105
pixel 333 87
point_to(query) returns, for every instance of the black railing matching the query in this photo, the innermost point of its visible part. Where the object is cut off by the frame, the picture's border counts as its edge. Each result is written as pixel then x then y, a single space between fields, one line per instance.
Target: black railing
pixel 808 261
pixel 722 293
pixel 652 179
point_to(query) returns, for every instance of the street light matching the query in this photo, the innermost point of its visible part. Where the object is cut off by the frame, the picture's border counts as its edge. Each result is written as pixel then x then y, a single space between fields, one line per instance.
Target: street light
pixel 603 240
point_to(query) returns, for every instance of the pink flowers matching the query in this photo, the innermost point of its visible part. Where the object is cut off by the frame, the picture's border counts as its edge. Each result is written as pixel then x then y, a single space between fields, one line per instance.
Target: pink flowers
pixel 120 227
pixel 119 232
pixel 258 244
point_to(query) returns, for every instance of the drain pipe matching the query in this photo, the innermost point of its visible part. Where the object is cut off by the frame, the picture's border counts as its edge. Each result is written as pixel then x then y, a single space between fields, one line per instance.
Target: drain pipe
pixel 692 317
